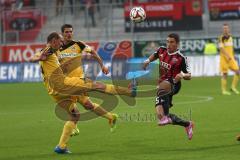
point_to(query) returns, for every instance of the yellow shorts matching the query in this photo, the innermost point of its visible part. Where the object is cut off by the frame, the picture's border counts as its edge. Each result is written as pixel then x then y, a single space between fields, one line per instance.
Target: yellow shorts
pixel 83 98
pixel 71 86
pixel 69 102
pixel 226 65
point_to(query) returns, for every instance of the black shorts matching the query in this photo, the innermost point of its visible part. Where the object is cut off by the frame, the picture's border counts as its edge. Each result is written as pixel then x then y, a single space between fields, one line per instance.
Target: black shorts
pixel 166 100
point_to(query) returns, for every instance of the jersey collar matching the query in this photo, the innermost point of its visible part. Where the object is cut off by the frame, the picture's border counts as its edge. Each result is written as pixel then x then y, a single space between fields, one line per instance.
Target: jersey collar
pixel 177 51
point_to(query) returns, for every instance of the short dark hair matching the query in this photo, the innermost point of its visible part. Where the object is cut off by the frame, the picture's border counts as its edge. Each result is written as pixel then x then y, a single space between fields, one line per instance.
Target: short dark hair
pixel 66 26
pixel 225 24
pixel 175 36
pixel 52 36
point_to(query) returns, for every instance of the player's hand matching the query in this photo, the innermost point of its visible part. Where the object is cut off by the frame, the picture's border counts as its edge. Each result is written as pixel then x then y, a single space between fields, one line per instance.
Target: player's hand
pixel 31 60
pixel 105 70
pixel 43 57
pixel 37 58
pixel 178 77
pixel 145 64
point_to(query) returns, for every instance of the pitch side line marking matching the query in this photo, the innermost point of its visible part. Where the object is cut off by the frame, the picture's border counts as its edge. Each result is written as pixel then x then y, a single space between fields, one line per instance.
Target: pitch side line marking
pixel 202 99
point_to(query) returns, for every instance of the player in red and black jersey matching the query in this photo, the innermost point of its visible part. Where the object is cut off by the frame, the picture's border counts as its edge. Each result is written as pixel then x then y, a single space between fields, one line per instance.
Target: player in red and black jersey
pixel 173 67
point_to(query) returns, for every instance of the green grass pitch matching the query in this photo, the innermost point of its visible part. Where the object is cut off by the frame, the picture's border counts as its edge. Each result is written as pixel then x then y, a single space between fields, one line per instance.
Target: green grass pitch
pixel 30 130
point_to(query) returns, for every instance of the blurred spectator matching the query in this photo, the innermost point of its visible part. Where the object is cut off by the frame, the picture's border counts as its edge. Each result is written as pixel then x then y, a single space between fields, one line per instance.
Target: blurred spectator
pixel 71 6
pixel 97 5
pixel 119 1
pixel 210 48
pixel 89 13
pixel 1 29
pixel 59 6
pixel 6 4
pixel 32 3
pixel 19 4
pixel 82 4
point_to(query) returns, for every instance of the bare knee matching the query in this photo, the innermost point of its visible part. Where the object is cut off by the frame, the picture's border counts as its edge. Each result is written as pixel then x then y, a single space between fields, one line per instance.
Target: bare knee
pixel 164 87
pixel 224 75
pixel 88 105
pixel 99 86
pixel 75 115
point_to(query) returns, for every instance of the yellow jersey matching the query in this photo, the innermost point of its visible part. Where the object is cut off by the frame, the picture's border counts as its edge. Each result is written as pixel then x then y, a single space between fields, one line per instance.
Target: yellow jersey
pixel 227 44
pixel 70 57
pixel 51 71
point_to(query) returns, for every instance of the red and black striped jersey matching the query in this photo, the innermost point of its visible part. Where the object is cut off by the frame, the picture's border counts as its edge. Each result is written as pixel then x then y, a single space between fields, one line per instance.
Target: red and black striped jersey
pixel 170 64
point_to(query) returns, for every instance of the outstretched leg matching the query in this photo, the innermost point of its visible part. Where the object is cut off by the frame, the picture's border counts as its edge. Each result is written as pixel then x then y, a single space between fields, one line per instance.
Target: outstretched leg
pixel 98 110
pixel 116 90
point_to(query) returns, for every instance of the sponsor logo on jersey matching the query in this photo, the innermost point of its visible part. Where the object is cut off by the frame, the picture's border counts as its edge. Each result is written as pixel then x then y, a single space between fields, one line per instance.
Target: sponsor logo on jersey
pixel 165 65
pixel 67 55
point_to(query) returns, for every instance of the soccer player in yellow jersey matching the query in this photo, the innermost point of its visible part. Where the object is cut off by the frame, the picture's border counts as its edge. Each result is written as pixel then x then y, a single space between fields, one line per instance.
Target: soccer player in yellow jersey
pixel 71 53
pixel 227 61
pixel 58 84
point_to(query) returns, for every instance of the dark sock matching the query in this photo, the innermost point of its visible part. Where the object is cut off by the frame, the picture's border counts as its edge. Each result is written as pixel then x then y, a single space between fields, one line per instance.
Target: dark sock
pixel 178 121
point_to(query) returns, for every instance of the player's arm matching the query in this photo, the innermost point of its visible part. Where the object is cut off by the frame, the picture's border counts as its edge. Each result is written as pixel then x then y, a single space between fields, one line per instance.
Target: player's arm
pixel 94 54
pixel 100 61
pixel 222 50
pixel 35 57
pixel 185 72
pixel 40 56
pixel 150 59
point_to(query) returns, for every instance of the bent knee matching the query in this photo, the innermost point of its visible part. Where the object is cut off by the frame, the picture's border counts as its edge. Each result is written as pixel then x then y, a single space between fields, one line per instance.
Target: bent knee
pixel 99 86
pixel 88 105
pixel 75 115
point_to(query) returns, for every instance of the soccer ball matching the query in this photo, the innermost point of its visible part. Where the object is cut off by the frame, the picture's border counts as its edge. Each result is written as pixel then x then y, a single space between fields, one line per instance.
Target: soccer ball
pixel 137 14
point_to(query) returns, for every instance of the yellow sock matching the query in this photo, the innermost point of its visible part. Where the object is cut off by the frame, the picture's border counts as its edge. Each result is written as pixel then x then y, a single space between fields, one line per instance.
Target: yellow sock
pixel 67 130
pixel 102 112
pixel 117 90
pixel 108 115
pixel 235 81
pixel 224 84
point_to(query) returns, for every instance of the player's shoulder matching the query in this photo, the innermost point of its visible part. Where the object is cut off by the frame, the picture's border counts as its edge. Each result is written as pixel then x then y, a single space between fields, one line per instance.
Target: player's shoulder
pixel 66 46
pixel 81 44
pixel 180 53
pixel 161 49
pixel 220 36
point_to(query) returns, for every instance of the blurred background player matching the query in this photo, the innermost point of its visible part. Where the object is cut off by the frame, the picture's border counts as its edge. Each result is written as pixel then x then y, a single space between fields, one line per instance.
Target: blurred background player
pixel 58 84
pixel 172 68
pixel 227 60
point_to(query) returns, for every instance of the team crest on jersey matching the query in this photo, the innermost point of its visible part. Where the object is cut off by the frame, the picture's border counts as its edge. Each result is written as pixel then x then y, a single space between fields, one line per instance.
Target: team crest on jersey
pixel 174 60
pixel 73 48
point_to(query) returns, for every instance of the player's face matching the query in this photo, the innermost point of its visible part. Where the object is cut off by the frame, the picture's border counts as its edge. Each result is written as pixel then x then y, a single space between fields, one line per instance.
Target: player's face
pixel 56 43
pixel 172 45
pixel 68 34
pixel 226 30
